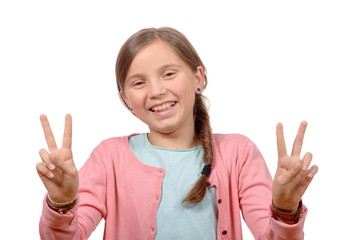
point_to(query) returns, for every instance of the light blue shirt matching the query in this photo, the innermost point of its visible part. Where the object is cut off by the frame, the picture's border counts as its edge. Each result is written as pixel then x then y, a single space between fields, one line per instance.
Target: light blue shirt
pixel 174 219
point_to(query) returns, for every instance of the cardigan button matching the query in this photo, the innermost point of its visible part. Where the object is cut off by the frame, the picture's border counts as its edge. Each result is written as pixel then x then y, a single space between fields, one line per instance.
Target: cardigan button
pixel 219 201
pixel 224 232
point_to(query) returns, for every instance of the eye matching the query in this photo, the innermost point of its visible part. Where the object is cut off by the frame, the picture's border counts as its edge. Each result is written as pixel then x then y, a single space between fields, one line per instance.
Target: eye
pixel 138 84
pixel 169 74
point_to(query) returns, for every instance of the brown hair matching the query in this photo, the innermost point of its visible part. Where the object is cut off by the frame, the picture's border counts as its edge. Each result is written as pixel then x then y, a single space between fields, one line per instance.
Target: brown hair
pixel 183 48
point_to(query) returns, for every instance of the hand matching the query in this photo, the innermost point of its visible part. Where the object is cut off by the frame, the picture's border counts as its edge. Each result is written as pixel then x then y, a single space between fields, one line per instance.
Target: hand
pixel 57 169
pixel 293 174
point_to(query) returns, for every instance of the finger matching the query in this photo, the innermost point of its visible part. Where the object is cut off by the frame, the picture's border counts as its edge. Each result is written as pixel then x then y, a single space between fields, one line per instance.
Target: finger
pixel 67 169
pixel 46 159
pixel 299 139
pixel 307 179
pixel 43 171
pixel 67 132
pixel 313 170
pixel 307 161
pixel 50 140
pixel 281 147
pixel 294 171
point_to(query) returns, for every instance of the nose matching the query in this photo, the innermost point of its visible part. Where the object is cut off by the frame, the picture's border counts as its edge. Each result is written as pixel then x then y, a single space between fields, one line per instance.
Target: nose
pixel 156 89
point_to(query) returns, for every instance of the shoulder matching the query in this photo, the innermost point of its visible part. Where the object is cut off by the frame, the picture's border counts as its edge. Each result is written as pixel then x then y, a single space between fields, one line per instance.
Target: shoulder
pixel 220 137
pixel 114 150
pixel 234 153
pixel 113 145
pixel 234 146
pixel 116 141
pixel 230 140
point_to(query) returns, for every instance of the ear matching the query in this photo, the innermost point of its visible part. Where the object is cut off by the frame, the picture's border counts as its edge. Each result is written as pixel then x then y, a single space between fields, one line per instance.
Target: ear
pixel 124 98
pixel 199 79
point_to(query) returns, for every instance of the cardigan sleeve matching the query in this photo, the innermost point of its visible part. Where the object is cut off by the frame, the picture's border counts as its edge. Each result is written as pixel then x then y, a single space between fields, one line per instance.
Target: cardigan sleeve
pixel 90 208
pixel 255 195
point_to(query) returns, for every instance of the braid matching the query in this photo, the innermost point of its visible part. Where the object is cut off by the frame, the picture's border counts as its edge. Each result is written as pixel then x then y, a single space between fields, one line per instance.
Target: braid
pixel 203 131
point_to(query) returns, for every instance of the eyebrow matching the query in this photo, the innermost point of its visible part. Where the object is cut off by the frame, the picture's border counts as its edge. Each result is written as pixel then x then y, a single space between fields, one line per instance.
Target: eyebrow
pixel 136 75
pixel 169 65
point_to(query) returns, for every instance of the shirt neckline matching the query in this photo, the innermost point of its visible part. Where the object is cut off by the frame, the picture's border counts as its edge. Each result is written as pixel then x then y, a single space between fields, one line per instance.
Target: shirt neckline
pixel 148 144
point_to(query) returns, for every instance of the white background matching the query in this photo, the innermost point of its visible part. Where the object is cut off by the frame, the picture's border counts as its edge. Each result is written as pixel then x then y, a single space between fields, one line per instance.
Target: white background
pixel 267 61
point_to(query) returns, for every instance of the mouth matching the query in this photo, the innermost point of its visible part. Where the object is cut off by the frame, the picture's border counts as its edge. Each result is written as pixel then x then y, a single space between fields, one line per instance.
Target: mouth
pixel 163 107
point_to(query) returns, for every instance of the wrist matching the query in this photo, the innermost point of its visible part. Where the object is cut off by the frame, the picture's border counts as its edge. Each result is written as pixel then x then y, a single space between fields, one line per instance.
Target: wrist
pixel 61 208
pixel 287 216
pixel 285 205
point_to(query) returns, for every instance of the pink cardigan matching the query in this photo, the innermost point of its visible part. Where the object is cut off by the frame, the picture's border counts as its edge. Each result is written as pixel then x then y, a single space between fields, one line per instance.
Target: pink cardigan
pixel 116 186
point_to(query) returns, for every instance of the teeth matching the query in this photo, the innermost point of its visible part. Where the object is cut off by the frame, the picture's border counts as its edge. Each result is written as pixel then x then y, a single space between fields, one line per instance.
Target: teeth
pixel 163 107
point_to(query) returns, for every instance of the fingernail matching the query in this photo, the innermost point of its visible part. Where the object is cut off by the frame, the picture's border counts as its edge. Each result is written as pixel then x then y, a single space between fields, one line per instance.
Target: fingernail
pixel 50 175
pixel 51 166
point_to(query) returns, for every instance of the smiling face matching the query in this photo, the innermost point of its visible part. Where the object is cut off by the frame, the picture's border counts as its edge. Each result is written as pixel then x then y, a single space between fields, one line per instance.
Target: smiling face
pixel 160 88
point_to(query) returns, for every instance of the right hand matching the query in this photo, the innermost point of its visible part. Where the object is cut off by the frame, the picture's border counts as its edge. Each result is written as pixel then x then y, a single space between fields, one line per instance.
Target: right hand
pixel 57 169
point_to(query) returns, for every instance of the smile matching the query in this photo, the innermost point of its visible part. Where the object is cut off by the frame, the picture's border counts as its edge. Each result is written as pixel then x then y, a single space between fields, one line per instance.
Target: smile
pixel 163 107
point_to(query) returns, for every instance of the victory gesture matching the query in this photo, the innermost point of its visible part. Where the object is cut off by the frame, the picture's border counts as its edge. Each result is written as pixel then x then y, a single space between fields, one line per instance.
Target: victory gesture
pixel 293 174
pixel 57 169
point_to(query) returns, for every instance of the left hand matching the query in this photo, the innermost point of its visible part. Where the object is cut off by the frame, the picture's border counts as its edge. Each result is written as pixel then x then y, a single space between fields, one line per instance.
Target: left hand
pixel 293 174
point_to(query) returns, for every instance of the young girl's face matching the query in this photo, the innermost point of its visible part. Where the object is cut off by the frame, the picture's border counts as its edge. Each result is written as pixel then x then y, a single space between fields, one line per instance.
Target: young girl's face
pixel 160 88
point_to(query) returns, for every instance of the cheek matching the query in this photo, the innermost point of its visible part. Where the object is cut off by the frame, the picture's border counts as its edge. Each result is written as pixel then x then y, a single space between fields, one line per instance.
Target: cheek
pixel 187 94
pixel 137 104
pixel 133 99
pixel 187 89
pixel 185 84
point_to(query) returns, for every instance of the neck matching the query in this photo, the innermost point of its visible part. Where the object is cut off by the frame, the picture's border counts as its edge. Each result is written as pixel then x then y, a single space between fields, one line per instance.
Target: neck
pixel 175 140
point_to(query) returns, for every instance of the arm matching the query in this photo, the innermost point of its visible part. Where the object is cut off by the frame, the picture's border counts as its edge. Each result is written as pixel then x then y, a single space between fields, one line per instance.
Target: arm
pixel 293 174
pixel 256 194
pixel 81 221
pixel 255 200
pixel 60 177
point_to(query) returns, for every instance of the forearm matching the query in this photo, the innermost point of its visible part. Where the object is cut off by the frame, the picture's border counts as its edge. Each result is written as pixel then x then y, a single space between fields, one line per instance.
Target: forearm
pixel 54 225
pixel 82 219
pixel 281 230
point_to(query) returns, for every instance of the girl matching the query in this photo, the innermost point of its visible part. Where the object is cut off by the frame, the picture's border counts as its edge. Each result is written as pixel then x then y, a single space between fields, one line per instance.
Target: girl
pixel 179 181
